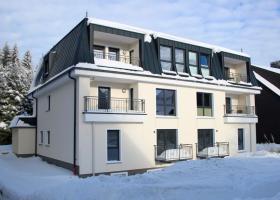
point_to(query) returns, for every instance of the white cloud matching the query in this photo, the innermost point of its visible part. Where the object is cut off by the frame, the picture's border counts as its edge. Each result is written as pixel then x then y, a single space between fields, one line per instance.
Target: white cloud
pixel 251 25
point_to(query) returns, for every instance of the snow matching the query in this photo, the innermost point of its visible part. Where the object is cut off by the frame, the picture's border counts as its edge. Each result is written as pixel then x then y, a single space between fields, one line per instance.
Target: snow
pixel 17 122
pixel 5 149
pixel 269 85
pixel 116 64
pixel 3 125
pixel 270 147
pixel 249 176
pixel 275 70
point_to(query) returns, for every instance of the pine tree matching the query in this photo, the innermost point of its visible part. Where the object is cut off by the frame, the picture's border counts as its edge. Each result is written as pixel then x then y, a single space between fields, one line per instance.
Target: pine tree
pixel 6 56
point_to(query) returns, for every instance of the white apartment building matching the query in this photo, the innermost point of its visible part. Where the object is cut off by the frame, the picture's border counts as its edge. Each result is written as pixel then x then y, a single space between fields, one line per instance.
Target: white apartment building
pixel 112 98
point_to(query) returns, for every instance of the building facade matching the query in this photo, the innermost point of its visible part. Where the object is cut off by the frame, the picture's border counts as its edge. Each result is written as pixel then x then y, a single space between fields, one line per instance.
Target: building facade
pixel 114 99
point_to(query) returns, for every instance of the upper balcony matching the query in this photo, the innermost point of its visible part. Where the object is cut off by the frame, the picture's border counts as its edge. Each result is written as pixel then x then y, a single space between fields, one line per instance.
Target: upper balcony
pixel 100 109
pixel 116 48
pixel 238 109
pixel 235 70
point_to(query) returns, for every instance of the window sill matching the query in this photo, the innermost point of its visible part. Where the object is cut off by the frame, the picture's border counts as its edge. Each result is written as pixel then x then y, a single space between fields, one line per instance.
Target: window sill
pixel 166 117
pixel 47 145
pixel 40 144
pixel 241 151
pixel 204 117
pixel 114 162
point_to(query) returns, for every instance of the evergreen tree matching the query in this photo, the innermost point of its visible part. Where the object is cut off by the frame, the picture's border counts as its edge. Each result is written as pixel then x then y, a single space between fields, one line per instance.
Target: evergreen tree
pixel 15 81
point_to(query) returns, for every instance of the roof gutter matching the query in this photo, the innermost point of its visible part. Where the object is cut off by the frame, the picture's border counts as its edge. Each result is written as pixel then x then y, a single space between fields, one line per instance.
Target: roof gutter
pixel 75 171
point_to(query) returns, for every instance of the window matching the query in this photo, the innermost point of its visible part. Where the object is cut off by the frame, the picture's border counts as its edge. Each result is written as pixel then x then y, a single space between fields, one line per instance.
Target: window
pixel 166 58
pixel 48 137
pixel 113 145
pixel 165 102
pixel 180 60
pixel 132 59
pixel 114 54
pixel 99 51
pixel 228 105
pixel 104 98
pixel 205 138
pixel 193 64
pixel 46 68
pixel 41 137
pixel 166 139
pixel 240 139
pixel 204 65
pixel 204 104
pixel 49 103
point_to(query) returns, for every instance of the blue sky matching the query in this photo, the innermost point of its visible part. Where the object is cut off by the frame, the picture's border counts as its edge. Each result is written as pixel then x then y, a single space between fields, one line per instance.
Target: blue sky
pixel 253 25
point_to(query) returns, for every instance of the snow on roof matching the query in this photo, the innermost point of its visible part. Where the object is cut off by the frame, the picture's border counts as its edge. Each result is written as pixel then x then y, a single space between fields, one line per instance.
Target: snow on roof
pixel 116 64
pixel 121 26
pixel 17 122
pixel 269 85
pixel 271 69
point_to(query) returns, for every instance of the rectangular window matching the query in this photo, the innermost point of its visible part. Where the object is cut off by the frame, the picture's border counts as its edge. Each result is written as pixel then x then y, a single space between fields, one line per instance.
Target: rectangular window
pixel 228 105
pixel 165 100
pixel 166 139
pixel 180 60
pixel 113 145
pixel 132 59
pixel 204 104
pixel 205 138
pixel 240 139
pixel 49 103
pixel 41 137
pixel 193 64
pixel 114 54
pixel 48 137
pixel 204 65
pixel 99 51
pixel 104 98
pixel 46 68
pixel 166 58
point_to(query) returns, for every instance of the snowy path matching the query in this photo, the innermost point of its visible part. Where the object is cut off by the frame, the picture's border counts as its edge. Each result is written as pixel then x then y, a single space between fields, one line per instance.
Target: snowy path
pixel 248 177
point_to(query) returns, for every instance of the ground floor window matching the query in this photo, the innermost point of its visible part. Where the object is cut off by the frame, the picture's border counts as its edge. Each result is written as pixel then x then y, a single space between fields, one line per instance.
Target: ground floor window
pixel 113 145
pixel 240 139
pixel 166 139
pixel 205 138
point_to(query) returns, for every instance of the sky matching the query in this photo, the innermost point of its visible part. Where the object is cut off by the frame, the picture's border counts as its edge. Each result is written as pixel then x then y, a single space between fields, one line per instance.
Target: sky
pixel 250 25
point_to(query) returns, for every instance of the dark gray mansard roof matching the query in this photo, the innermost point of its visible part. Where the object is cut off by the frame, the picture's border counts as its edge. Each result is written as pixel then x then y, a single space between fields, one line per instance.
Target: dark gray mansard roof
pixel 75 48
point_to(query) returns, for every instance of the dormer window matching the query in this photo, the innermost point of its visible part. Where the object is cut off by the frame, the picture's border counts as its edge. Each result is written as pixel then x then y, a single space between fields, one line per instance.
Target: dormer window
pixel 46 68
pixel 180 60
pixel 193 64
pixel 204 65
pixel 166 58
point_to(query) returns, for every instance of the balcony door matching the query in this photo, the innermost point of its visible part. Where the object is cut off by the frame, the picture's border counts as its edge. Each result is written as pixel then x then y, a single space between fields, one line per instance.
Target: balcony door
pixel 205 138
pixel 228 105
pixel 166 139
pixel 104 97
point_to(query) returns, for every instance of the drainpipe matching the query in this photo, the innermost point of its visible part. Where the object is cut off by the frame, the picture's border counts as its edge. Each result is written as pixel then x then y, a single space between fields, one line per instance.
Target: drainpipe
pixel 74 144
pixel 36 129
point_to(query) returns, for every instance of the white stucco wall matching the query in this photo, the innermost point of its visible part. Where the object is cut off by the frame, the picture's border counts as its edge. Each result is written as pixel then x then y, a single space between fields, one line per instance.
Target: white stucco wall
pixel 59 121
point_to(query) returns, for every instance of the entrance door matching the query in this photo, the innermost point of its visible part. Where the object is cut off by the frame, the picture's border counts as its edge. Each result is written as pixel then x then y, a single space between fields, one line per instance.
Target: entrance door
pixel 166 139
pixel 104 97
pixel 205 138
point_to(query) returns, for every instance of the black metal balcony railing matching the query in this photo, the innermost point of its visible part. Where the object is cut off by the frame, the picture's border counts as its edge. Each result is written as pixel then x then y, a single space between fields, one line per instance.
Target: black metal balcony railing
pixel 173 153
pixel 219 149
pixel 97 104
pixel 236 77
pixel 117 57
pixel 239 109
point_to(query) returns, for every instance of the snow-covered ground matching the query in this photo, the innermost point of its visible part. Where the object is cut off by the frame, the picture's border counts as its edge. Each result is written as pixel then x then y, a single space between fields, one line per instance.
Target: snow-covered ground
pixel 249 176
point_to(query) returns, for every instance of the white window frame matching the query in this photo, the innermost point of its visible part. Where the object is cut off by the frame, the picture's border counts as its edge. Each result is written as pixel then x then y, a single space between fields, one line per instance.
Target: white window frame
pixel 120 146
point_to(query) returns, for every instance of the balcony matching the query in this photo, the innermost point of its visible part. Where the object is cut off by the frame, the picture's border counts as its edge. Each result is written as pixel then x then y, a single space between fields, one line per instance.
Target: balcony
pixel 239 114
pixel 173 153
pixel 117 57
pixel 217 150
pixel 236 77
pixel 98 109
